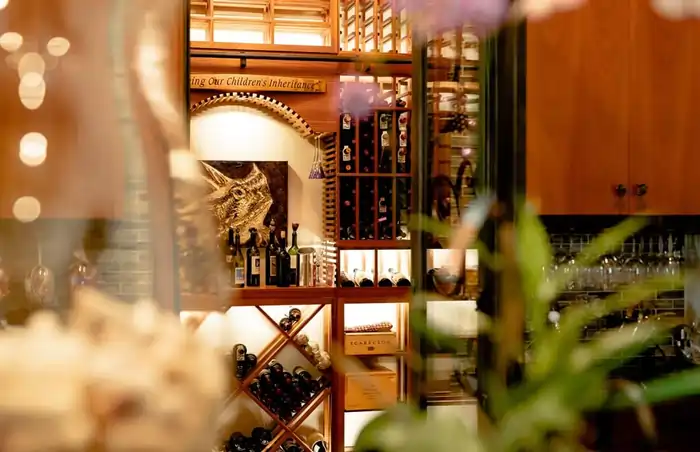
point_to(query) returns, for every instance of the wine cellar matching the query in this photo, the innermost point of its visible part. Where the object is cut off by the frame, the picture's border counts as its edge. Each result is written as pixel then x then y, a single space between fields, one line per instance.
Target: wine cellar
pixel 316 362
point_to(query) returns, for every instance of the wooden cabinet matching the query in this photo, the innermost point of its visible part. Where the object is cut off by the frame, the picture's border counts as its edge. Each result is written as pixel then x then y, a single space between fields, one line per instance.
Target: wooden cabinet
pixel 612 92
pixel 664 123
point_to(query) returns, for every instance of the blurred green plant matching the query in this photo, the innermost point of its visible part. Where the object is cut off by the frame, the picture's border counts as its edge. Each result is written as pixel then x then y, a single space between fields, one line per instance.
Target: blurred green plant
pixel 564 378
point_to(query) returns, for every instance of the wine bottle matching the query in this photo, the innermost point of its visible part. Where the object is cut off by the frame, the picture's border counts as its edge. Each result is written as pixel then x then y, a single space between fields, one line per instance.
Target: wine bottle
pixel 271 253
pixel 286 324
pixel 230 253
pixel 236 442
pixel 367 212
pixel 385 206
pixel 399 279
pixel 366 162
pixel 253 273
pixel 238 264
pixel 294 258
pixel 347 143
pixel 385 279
pixel 294 314
pixel 345 281
pixel 318 442
pixel 347 208
pixel 276 370
pixel 251 361
pixel 363 278
pixel 290 446
pixel 283 262
pixel 262 437
pixel 239 356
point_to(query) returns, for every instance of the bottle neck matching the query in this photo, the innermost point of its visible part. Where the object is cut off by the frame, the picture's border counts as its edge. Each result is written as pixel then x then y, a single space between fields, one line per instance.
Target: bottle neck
pixel 294 239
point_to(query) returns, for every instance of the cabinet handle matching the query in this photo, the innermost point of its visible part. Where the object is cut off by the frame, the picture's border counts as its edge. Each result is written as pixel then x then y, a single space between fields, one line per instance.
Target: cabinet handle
pixel 640 189
pixel 620 190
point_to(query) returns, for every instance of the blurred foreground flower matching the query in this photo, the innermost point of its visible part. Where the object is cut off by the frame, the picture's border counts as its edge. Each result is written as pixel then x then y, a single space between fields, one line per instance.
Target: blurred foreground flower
pixel 437 16
pixel 118 377
pixel 677 9
pixel 358 98
pixel 540 9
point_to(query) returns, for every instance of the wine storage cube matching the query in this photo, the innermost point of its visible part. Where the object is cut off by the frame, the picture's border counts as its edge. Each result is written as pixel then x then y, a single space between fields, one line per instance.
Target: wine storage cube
pixel 365 344
pixel 374 389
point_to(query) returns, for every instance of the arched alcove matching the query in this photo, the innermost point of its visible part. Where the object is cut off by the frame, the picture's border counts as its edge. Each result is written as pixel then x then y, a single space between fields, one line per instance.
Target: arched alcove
pixel 253 127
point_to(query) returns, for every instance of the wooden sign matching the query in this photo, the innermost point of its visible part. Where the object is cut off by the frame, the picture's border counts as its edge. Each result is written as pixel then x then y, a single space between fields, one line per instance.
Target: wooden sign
pixel 244 82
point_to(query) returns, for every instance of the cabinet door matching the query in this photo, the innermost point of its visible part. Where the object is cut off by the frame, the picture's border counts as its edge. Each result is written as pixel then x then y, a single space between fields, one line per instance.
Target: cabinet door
pixel 665 107
pixel 577 109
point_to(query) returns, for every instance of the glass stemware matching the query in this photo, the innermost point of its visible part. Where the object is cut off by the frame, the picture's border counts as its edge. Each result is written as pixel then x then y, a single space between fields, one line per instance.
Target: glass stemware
pixel 635 268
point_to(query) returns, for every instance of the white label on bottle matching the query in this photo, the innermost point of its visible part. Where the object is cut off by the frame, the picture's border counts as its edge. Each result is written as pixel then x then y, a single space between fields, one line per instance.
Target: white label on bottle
pixel 384 122
pixel 403 121
pixel 403 139
pixel 402 155
pixel 239 275
pixel 273 265
pixel 347 154
pixel 293 263
pixel 229 259
pixel 385 139
pixel 347 121
pixel 255 264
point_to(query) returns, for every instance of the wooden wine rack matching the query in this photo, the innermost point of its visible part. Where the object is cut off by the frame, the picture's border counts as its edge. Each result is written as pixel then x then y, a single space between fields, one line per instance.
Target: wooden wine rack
pixel 374 26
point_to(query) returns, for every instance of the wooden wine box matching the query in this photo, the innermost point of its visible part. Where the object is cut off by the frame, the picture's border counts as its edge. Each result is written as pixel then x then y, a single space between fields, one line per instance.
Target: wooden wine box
pixel 371 343
pixel 373 389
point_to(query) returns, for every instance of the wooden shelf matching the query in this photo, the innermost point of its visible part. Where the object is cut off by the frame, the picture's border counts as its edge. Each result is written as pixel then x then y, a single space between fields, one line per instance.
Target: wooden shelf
pixel 374 294
pixel 282 296
pixel 373 244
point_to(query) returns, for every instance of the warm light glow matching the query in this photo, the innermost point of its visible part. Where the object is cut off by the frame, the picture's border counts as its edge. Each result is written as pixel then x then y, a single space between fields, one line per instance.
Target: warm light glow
pixel 31 96
pixel 26 209
pixel 456 317
pixel 397 260
pixel 58 46
pixel 350 260
pixel 3 4
pixel 31 62
pixel 32 149
pixel 11 41
pixel 198 34
pixel 447 258
pixel 357 314
pixel 299 39
pixel 240 36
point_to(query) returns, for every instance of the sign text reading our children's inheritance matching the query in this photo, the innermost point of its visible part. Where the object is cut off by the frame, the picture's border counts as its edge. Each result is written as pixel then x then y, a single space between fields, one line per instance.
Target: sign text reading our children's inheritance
pixel 239 82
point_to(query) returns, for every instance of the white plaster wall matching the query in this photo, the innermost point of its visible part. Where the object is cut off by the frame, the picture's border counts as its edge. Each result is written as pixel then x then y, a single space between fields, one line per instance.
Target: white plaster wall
pixel 241 133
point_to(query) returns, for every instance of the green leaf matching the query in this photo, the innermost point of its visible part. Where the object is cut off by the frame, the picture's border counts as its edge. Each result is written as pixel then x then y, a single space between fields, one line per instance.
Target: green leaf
pixel 534 257
pixel 674 386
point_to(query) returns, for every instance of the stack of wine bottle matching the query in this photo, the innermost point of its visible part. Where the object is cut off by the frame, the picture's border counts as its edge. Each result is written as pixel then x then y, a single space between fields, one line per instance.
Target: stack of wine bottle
pixel 373 197
pixel 243 362
pixel 281 266
pixel 285 393
pixel 361 278
pixel 258 441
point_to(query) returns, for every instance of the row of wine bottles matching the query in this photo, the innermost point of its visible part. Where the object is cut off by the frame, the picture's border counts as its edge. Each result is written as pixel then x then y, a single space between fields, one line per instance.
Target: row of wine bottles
pixel 357 143
pixel 362 278
pixel 286 393
pixel 361 219
pixel 277 265
pixel 260 438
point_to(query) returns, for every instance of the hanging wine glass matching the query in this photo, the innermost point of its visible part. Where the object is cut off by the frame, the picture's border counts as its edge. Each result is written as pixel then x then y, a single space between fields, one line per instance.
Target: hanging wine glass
pixel 82 273
pixel 4 281
pixel 40 284
pixel 316 169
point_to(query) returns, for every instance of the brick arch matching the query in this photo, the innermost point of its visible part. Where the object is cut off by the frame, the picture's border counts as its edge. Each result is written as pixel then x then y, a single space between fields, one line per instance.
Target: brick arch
pixel 259 101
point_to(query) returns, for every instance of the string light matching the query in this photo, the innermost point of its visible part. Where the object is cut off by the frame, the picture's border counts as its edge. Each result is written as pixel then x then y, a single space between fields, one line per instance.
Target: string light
pixel 3 4
pixel 32 149
pixel 26 209
pixel 58 46
pixel 11 41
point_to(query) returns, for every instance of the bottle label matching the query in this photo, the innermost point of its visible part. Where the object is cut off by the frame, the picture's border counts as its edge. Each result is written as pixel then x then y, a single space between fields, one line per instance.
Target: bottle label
pixel 293 263
pixel 273 265
pixel 347 121
pixel 402 155
pixel 403 139
pixel 239 275
pixel 384 122
pixel 347 154
pixel 229 259
pixel 385 139
pixel 403 121
pixel 255 264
